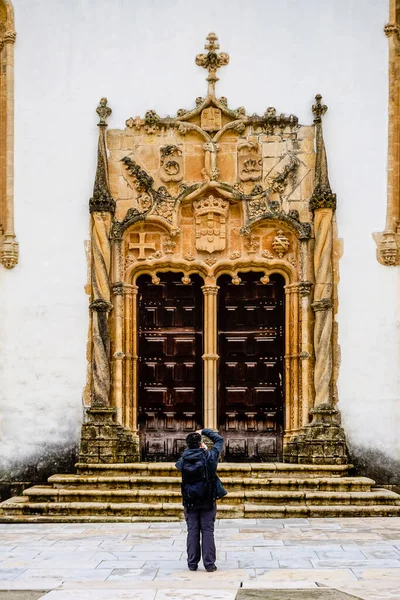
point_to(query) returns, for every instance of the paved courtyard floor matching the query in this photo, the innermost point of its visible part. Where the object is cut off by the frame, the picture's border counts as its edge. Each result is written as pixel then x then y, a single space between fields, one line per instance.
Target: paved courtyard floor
pixel 147 561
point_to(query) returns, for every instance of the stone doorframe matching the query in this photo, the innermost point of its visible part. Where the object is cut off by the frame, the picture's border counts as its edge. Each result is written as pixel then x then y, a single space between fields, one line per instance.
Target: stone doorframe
pixel 235 193
pixel 298 367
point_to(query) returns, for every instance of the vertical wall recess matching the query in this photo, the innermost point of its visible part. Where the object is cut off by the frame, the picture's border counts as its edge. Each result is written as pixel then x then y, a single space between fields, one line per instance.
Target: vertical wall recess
pixel 388 241
pixel 8 243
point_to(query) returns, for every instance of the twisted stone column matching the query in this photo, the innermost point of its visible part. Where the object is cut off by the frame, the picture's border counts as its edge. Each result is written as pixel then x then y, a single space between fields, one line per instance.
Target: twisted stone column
pixel 103 440
pixel 322 305
pixel 102 207
pixel 323 440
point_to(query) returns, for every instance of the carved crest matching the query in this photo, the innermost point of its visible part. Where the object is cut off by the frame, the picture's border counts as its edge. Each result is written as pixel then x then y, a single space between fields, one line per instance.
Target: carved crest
pixel 249 161
pixel 211 119
pixel 142 243
pixel 280 243
pixel 210 218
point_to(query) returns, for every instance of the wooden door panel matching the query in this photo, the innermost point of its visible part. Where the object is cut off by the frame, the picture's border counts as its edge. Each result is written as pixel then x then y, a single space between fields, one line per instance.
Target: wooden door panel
pixel 251 349
pixel 170 346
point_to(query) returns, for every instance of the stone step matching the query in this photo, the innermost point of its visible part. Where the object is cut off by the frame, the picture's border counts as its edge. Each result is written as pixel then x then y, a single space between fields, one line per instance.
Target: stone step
pixel 85 494
pixel 20 507
pixel 253 470
pixel 342 484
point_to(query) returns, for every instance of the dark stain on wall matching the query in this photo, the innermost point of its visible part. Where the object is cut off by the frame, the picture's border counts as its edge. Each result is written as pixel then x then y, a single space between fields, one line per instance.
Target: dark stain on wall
pixel 373 463
pixel 49 460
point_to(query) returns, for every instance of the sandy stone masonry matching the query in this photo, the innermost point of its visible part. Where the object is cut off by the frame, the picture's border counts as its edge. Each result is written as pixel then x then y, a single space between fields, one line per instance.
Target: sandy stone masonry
pixel 214 191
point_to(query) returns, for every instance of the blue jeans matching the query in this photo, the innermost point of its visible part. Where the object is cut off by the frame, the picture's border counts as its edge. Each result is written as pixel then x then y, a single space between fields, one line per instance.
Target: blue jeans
pixel 200 520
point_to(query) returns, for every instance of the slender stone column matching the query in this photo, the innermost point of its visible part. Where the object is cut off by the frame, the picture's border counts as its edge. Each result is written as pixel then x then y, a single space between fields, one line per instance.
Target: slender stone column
pixel 118 355
pixel 9 252
pixel 292 395
pixel 306 349
pixel 210 356
pixel 288 378
pixel 133 404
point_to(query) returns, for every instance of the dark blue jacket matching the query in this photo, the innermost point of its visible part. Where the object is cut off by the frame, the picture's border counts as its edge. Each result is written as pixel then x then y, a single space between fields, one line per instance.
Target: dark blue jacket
pixel 212 458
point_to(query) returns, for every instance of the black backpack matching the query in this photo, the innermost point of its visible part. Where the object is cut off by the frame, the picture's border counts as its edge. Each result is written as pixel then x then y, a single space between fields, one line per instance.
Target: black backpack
pixel 197 487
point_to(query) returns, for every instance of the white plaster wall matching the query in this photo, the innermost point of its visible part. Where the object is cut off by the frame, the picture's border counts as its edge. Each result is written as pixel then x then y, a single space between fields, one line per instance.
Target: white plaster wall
pixel 140 54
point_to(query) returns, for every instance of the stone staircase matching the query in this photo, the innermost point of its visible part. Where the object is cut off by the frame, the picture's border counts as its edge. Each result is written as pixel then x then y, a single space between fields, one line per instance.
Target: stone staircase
pixel 151 491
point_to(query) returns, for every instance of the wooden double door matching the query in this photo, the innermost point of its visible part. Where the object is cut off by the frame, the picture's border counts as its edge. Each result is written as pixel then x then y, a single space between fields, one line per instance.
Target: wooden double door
pixel 250 319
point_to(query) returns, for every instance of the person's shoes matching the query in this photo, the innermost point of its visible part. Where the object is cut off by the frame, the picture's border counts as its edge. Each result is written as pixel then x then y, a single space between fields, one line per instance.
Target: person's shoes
pixel 193 568
pixel 211 569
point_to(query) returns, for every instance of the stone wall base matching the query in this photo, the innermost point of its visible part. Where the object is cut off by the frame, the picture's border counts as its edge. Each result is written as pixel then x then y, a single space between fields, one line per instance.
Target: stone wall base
pixel 322 442
pixel 105 441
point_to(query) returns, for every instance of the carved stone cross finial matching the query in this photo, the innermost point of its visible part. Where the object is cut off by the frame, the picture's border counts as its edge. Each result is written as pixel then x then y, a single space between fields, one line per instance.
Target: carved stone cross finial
pixel 212 61
pixel 103 111
pixel 318 109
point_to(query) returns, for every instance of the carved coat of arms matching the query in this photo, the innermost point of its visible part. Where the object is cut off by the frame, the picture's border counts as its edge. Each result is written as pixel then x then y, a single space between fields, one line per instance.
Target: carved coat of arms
pixel 210 218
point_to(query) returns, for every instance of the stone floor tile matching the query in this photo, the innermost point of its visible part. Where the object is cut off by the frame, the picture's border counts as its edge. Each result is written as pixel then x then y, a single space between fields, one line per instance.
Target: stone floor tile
pixel 100 595
pixel 316 544
pixel 316 575
pixel 352 535
pixel 376 573
pixel 26 543
pixel 135 564
pixel 183 594
pixel 266 543
pixel 226 523
pixel 228 576
pixel 371 590
pixel 115 547
pixel 285 585
pixel 19 552
pixel 248 537
pixel 10 574
pixel 296 563
pixel 266 556
pixel 294 552
pixel 257 562
pixel 148 535
pixel 357 564
pixel 324 554
pixel 377 553
pixel 29 584
pixel 164 545
pixel 66 574
pixel 176 525
pixel 154 554
pixel 134 574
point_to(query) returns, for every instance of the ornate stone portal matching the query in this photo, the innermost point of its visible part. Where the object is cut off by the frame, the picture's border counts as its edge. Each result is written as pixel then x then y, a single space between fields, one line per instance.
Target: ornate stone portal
pixel 212 194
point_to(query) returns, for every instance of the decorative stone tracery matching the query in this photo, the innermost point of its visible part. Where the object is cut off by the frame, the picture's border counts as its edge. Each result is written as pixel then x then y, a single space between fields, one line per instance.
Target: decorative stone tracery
pixel 214 191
